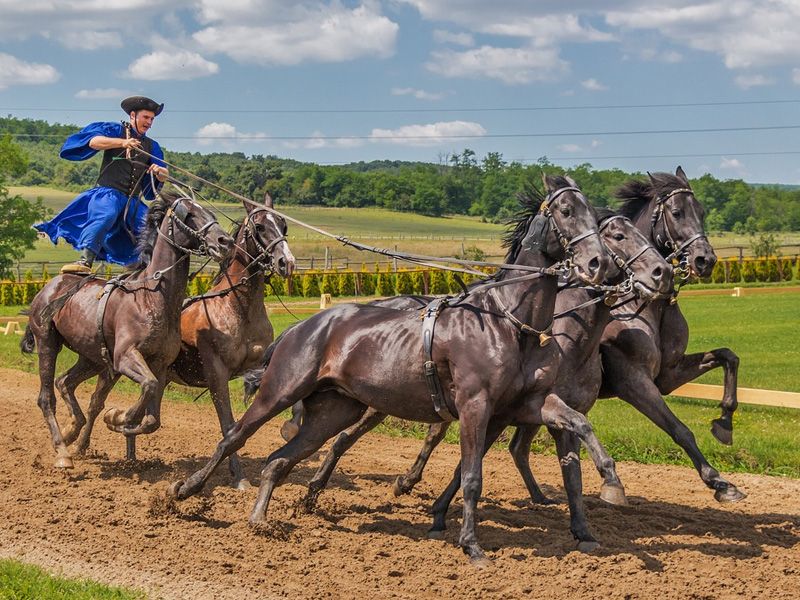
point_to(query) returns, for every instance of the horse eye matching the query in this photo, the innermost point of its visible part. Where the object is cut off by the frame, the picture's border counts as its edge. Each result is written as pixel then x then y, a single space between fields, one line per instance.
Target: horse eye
pixel 619 237
pixel 565 211
pixel 676 213
pixel 260 227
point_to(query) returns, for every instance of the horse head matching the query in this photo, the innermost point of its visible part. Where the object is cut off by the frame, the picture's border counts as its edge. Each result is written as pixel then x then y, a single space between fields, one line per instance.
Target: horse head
pixel 635 257
pixel 194 229
pixel 266 232
pixel 677 223
pixel 566 228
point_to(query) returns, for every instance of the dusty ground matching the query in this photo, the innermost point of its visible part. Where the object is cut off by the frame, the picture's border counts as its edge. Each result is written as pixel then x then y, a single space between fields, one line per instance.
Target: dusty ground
pixel 105 520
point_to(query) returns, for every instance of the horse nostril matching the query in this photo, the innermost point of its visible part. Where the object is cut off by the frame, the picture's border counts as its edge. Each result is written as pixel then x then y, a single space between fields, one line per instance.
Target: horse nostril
pixel 225 241
pixel 657 273
pixel 594 265
pixel 700 263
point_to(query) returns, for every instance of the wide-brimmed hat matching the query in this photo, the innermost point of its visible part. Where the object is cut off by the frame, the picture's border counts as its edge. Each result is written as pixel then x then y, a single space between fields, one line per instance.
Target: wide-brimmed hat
pixel 135 103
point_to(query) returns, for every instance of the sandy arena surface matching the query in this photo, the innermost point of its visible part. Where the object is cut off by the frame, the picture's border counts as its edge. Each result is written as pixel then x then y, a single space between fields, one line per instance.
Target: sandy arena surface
pixel 107 520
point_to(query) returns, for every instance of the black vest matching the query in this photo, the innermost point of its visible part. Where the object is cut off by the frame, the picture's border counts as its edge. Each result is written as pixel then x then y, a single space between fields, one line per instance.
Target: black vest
pixel 122 174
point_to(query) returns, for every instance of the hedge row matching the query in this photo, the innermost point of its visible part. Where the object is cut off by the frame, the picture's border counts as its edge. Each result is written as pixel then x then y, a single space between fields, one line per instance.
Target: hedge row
pixel 310 284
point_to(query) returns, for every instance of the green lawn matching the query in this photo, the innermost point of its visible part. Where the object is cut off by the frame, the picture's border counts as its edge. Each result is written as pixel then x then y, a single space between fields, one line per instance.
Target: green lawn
pixel 19 581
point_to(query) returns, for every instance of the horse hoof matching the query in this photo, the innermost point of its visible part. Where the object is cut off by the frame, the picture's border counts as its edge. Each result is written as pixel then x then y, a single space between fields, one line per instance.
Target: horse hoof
pixel 289 430
pixel 436 534
pixel 398 489
pixel 613 494
pixel 587 546
pixel 173 491
pixel 544 501
pixel 721 430
pixel 729 494
pixel 480 562
pixel 112 417
pixel 64 462
pixel 242 485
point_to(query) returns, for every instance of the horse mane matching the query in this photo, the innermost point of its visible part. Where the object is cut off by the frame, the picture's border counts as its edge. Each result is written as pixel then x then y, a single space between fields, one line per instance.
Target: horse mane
pixel 637 194
pixel 147 237
pixel 530 200
pixel 223 266
pixel 603 213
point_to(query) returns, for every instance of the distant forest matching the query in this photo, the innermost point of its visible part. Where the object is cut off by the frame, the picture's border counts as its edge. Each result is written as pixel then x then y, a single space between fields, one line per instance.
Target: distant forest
pixel 462 184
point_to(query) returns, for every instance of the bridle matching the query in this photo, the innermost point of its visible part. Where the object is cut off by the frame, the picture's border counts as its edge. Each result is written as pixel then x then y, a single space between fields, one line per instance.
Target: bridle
pixel 264 260
pixel 545 219
pixel 668 241
pixel 177 214
pixel 625 265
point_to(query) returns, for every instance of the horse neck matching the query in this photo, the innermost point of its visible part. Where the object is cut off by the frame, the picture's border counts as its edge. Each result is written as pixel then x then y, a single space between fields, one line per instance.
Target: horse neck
pixel 644 223
pixel 252 293
pixel 580 331
pixel 173 280
pixel 532 302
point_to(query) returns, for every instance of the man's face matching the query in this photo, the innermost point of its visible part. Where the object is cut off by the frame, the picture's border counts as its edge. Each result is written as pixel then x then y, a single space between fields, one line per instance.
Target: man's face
pixel 142 120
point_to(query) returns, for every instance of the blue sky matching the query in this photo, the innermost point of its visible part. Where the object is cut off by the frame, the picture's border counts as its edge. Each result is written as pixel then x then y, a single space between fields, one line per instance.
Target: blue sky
pixel 338 81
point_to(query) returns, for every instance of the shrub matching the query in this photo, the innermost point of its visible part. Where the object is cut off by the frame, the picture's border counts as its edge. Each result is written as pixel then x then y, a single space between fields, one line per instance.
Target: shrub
pixel 386 285
pixel 772 270
pixel 6 293
pixel 718 274
pixel 276 285
pixel 347 284
pixel 366 283
pixel 329 284
pixel 405 285
pixel 418 282
pixel 735 272
pixel 749 271
pixel 786 269
pixel 310 286
pixel 295 288
pixel 438 283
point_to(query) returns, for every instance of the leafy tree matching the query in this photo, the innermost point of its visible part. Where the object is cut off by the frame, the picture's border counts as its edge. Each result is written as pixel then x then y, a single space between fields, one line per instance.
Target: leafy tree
pixel 16 214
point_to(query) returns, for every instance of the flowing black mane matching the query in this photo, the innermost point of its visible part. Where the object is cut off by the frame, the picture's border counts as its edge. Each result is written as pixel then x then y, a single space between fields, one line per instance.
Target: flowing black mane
pixel 147 237
pixel 637 194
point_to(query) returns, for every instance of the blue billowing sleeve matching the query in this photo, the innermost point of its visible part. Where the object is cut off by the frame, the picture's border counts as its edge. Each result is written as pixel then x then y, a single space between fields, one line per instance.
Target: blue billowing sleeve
pixel 147 188
pixel 77 145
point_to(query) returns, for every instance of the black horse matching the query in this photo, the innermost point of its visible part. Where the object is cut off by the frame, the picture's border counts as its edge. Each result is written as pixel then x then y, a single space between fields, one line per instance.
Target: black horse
pixel 488 350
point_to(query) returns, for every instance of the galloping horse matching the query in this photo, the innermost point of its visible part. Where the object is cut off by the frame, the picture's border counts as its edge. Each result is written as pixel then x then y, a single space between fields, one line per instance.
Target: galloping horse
pixel 126 326
pixel 644 347
pixel 225 331
pixel 490 353
pixel 581 317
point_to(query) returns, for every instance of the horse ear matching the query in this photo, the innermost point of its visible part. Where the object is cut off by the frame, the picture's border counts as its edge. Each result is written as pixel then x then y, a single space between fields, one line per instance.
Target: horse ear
pixel 681 175
pixel 267 200
pixel 652 179
pixel 547 182
pixel 571 181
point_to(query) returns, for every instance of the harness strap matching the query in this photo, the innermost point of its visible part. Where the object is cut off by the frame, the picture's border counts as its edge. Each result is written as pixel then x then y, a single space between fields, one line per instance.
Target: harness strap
pixel 429 314
pixel 545 335
pixel 103 298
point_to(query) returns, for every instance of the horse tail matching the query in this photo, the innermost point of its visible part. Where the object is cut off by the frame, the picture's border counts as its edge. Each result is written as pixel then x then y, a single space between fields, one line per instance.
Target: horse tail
pixel 28 342
pixel 252 379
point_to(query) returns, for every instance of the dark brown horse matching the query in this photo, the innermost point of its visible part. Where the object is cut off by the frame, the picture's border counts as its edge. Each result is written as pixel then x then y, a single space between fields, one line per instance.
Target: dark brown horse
pixel 129 326
pixel 225 331
pixel 581 317
pixel 350 357
pixel 643 347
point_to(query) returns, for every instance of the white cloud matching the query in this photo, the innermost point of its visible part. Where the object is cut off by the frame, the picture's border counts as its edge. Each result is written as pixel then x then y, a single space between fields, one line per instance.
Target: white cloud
pixel 91 40
pixel 431 134
pixel 440 36
pixel 14 71
pixel 294 34
pixel 731 164
pixel 319 140
pixel 569 147
pixel 181 65
pixel 418 94
pixel 225 134
pixel 664 56
pixel 593 85
pixel 509 65
pixel 596 143
pixel 754 80
pixel 102 94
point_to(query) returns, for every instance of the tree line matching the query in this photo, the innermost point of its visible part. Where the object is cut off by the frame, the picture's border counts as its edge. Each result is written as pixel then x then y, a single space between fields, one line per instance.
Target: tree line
pixel 460 183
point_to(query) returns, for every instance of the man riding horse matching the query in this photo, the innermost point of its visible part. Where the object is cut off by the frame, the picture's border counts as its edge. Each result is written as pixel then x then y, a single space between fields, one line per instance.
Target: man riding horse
pixel 103 222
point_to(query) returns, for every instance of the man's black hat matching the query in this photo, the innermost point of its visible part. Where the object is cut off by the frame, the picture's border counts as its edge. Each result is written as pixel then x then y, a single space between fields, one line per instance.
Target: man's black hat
pixel 136 103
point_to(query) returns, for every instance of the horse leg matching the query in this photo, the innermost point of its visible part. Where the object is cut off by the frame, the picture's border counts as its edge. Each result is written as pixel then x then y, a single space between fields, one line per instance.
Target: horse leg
pixel 217 377
pixel 105 383
pixel 520 449
pixel 267 404
pixel 638 390
pixel 555 414
pixel 343 442
pixel 66 386
pixel 690 367
pixel 405 483
pixel 290 428
pixel 48 352
pixel 568 447
pixel 325 416
pixel 473 421
pixel 442 503
pixel 141 417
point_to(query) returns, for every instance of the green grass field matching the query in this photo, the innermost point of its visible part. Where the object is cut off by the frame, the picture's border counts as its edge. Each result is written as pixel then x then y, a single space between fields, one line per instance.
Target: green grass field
pixel 19 581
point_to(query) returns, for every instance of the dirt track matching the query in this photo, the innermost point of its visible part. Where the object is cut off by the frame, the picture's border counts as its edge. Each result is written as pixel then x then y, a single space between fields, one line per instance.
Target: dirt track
pixel 105 520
